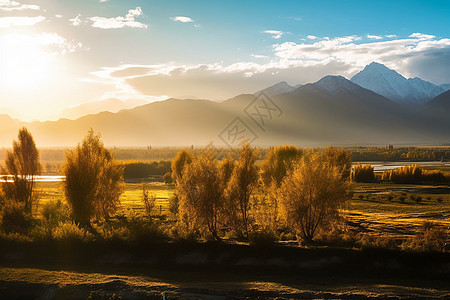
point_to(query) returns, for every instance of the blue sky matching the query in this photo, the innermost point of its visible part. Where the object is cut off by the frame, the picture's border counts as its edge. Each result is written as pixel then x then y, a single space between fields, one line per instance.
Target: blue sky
pixel 62 53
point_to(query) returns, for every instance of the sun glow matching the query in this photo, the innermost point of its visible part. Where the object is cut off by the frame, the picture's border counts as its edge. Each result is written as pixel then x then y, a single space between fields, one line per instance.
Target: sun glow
pixel 25 63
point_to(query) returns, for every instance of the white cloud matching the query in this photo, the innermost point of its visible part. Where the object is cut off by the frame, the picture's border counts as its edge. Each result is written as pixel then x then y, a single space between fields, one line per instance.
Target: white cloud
pixel 259 56
pixel 58 16
pixel 7 22
pixel 292 62
pixel 422 36
pixel 311 37
pixel 76 21
pixel 182 19
pixel 119 22
pixel 374 37
pixel 391 36
pixel 276 34
pixel 9 5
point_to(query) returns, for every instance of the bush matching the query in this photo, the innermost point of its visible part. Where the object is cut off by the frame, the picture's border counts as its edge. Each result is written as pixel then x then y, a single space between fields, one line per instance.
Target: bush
pixel 55 212
pixel 71 232
pixel 14 218
pixel 431 239
pixel 174 203
pixel 262 239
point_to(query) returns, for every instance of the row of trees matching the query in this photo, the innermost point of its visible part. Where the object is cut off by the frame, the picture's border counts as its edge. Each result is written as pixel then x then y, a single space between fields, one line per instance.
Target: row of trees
pixel 412 174
pixel 301 190
pixel 93 179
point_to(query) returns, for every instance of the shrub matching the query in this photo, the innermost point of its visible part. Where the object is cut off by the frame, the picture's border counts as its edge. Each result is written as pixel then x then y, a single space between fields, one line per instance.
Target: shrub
pixel 262 239
pixel 15 218
pixel 55 212
pixel 167 178
pixel 71 232
pixel 430 238
pixel 148 199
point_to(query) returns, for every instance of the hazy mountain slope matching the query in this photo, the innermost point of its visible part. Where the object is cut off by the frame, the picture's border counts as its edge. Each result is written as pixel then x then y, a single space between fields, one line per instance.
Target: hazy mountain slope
pixel 333 110
pixel 110 105
pixel 9 128
pixel 277 89
pixel 390 84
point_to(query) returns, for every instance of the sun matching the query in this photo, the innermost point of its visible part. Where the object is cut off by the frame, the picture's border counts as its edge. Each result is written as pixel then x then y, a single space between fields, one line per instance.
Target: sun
pixel 25 65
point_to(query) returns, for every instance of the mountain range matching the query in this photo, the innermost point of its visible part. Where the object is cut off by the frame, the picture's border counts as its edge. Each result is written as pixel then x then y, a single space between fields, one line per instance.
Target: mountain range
pixel 333 110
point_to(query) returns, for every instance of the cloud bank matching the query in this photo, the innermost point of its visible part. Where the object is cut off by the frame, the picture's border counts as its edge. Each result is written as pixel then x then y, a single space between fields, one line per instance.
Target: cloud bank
pixel 417 55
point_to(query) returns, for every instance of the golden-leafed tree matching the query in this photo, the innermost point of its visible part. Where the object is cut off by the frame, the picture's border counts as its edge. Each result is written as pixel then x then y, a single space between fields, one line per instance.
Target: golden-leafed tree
pixel 241 185
pixel 278 162
pixel 183 158
pixel 22 164
pixel 311 195
pixel 339 158
pixel 200 193
pixel 94 180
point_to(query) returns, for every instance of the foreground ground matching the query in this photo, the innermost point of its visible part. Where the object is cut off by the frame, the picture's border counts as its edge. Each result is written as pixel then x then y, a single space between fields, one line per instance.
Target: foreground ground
pixel 224 271
pixel 220 271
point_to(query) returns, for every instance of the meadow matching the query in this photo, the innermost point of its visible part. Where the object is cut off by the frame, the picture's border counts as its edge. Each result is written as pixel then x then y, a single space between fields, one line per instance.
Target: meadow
pixel 376 209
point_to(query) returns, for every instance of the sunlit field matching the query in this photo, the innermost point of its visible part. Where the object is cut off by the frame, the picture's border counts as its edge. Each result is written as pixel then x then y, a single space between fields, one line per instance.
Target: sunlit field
pixel 374 209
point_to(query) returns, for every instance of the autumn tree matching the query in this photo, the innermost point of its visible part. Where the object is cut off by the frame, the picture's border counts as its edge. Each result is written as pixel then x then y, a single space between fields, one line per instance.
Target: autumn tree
pixel 278 162
pixel 363 173
pixel 201 195
pixel 311 195
pixel 22 164
pixel 339 158
pixel 243 181
pixel 94 180
pixel 183 158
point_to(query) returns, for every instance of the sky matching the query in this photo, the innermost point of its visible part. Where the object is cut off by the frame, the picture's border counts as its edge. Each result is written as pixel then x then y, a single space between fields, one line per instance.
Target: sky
pixel 58 54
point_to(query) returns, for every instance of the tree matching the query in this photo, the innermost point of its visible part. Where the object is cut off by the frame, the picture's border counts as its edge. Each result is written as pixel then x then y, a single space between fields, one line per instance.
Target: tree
pixel 183 158
pixel 339 158
pixel 167 177
pixel 363 173
pixel 226 168
pixel 279 162
pixel 23 165
pixel 201 195
pixel 311 195
pixel 94 180
pixel 243 181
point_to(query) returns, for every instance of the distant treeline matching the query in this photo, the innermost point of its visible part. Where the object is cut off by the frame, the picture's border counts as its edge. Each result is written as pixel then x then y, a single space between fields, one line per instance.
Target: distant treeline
pixel 388 153
pixel 399 154
pixel 136 169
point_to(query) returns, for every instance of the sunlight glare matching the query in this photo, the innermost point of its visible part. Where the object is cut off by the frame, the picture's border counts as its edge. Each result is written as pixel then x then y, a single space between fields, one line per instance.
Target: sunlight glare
pixel 24 63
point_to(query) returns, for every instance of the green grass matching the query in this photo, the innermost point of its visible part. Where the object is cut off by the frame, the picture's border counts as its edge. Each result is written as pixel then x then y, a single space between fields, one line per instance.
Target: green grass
pixel 374 214
pixel 130 200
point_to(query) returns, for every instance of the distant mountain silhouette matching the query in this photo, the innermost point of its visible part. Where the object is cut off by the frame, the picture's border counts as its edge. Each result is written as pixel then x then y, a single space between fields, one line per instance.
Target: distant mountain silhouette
pixel 111 105
pixel 333 110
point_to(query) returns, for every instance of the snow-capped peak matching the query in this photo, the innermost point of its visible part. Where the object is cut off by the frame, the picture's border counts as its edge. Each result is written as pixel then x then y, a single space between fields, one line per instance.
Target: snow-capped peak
pixel 384 81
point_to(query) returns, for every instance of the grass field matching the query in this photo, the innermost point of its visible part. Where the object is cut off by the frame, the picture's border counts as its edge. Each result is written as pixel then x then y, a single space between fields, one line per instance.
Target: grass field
pixel 369 211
